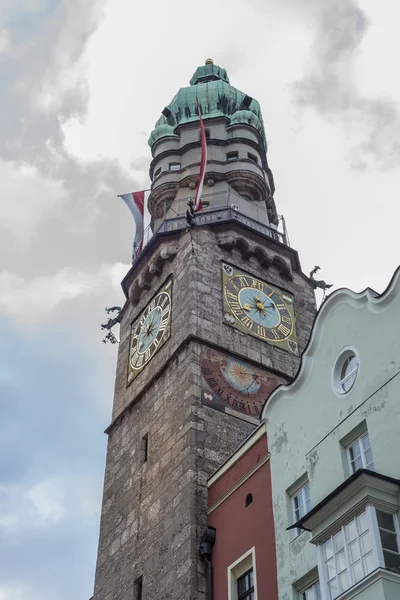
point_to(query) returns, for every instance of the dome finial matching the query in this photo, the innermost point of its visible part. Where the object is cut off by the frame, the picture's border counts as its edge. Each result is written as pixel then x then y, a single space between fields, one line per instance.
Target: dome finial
pixel 209 61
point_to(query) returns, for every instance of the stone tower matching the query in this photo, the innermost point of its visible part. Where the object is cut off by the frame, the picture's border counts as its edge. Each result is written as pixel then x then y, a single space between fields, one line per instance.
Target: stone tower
pixel 216 317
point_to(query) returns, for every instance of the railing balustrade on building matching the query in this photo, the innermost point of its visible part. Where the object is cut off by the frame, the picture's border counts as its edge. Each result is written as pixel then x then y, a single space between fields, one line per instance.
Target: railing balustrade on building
pixel 218 207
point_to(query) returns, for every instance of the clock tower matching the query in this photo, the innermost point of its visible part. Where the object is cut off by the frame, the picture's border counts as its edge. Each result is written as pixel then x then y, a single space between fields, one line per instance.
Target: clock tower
pixel 217 314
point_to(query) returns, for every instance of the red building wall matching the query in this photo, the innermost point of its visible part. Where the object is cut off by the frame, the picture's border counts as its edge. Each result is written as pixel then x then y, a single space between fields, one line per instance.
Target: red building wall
pixel 239 528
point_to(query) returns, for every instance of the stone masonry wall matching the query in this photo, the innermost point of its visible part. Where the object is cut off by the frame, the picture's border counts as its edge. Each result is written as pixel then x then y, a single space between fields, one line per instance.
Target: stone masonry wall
pixel 155 512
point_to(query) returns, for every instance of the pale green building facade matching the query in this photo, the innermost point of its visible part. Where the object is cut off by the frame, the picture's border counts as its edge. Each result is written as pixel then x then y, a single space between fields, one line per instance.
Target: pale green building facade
pixel 334 442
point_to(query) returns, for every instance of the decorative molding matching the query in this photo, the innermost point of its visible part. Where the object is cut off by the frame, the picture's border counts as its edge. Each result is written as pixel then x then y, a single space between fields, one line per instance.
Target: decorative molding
pixel 264 257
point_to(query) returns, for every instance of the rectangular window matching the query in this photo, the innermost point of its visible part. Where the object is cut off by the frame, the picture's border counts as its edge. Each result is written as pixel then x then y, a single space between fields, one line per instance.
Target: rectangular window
pixel 174 166
pixel 252 157
pixel 348 556
pixel 145 448
pixel 242 577
pixel 138 588
pixel 360 454
pixel 389 540
pixel 230 156
pixel 157 173
pixel 313 592
pixel 301 503
pixel 245 586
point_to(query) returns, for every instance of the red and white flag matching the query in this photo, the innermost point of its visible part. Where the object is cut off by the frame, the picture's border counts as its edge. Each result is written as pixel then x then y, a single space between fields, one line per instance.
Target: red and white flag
pixel 135 203
pixel 197 201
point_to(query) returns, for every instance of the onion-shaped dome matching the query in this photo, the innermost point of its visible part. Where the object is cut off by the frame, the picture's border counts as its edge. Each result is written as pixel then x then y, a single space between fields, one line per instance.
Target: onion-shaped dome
pixel 209 87
pixel 160 131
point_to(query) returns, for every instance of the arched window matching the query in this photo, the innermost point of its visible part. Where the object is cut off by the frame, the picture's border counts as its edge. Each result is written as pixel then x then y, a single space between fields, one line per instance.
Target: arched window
pixel 249 499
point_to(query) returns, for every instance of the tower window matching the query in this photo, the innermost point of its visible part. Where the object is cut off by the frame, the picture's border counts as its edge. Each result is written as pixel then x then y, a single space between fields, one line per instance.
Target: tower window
pixel 252 157
pixel 145 448
pixel 249 499
pixel 174 166
pixel 157 173
pixel 231 156
pixel 138 588
pixel 207 132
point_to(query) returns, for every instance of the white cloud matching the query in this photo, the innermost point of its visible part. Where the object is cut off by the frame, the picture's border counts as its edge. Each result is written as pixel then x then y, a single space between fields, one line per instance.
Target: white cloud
pixel 26 199
pixel 4 41
pixel 31 301
pixel 48 500
pixel 14 592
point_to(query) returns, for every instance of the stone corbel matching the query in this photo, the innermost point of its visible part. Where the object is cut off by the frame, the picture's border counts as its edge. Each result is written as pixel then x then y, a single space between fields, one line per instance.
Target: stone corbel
pixel 153 270
pixel 247 250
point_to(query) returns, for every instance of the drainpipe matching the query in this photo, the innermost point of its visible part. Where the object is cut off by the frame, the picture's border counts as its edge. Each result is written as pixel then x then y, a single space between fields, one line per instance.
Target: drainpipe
pixel 206 545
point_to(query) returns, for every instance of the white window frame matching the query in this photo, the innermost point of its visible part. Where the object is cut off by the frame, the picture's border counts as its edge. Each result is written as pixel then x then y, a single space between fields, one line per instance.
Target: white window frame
pixel 301 492
pixel 174 166
pixel 376 550
pixel 337 379
pixel 313 588
pixel 243 564
pixel 360 441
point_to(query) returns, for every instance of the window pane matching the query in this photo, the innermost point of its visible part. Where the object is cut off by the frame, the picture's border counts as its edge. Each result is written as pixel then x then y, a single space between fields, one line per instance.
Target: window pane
pixel 392 561
pixel 389 541
pixel 354 551
pixel 369 563
pixel 366 543
pixel 338 541
pixel 328 548
pixel 366 442
pixel 341 561
pixel 351 530
pixel 385 520
pixel 330 568
pixel 362 522
pixel 344 581
pixel 358 572
pixel 251 576
pixel 368 458
pixel 333 589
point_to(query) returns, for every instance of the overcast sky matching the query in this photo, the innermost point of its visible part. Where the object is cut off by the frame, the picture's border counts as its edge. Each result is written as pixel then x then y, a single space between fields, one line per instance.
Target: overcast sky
pixel 82 86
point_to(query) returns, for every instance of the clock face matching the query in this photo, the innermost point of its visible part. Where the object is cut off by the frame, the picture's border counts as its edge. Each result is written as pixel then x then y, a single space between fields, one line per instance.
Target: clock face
pixel 256 307
pixel 150 331
pixel 231 385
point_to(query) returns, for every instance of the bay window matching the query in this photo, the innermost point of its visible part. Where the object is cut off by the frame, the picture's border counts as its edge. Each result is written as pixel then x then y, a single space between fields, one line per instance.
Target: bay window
pixel 355 550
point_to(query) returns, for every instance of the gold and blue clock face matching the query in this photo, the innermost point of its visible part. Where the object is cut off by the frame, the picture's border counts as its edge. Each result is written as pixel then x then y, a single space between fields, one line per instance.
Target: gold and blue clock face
pixel 259 308
pixel 150 331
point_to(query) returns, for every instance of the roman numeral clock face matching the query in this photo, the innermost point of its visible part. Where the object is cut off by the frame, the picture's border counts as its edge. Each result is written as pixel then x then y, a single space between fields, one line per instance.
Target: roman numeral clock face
pixel 256 307
pixel 150 331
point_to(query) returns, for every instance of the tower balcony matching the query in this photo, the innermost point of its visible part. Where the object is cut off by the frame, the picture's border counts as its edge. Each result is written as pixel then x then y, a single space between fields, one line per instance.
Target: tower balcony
pixel 222 209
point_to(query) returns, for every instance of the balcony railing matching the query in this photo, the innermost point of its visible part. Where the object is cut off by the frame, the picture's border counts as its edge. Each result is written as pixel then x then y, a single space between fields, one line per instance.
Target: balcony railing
pixel 225 207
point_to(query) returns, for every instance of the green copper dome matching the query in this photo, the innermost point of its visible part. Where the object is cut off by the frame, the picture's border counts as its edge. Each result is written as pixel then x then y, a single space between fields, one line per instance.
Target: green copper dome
pixel 163 130
pixel 217 98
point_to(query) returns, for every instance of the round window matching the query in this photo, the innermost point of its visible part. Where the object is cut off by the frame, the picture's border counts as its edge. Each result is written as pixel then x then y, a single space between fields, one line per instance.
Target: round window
pixel 345 371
